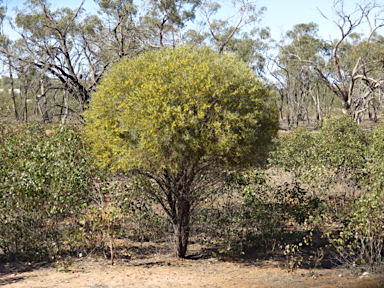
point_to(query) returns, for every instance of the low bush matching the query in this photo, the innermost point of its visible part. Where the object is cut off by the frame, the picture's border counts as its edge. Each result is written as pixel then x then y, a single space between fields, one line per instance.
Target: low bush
pixel 360 241
pixel 254 212
pixel 44 185
pixel 343 165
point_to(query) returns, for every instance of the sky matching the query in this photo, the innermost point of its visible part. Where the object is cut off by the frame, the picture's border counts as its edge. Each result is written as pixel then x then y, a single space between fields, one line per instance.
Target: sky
pixel 281 15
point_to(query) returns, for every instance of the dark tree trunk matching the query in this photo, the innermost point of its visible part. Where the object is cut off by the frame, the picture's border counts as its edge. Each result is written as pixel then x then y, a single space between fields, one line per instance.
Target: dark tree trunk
pixel 177 199
pixel 180 223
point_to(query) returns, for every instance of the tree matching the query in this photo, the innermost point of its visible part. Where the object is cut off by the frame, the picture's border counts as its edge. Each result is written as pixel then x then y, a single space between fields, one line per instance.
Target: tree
pixel 50 43
pixel 181 118
pixel 114 31
pixel 356 67
pixel 223 31
pixel 73 48
pixel 5 44
pixel 163 21
pixel 297 83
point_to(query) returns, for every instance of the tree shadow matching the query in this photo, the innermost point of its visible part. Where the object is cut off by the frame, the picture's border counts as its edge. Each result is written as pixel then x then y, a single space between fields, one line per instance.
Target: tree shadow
pixel 17 268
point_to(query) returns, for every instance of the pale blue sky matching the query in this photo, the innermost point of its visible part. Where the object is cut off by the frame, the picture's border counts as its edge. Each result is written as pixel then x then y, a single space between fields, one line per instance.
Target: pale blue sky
pixel 281 15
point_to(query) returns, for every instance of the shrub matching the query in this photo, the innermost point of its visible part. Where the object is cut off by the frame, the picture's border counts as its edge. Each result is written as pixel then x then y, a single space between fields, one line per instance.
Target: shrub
pixel 332 160
pixel 360 242
pixel 43 180
pixel 253 212
pixel 344 165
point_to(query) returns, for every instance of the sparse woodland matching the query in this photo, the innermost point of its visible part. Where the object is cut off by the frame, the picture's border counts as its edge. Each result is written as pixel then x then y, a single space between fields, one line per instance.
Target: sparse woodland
pixel 130 124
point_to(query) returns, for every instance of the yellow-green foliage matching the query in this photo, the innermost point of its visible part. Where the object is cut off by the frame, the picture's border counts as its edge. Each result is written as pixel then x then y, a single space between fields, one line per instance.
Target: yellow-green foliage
pixel 183 105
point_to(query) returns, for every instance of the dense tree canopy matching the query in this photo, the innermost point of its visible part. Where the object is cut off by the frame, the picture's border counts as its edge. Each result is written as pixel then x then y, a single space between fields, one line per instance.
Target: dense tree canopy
pixel 180 105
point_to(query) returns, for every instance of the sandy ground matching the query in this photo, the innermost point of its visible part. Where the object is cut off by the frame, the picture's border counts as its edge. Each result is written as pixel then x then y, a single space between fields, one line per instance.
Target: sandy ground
pixel 166 271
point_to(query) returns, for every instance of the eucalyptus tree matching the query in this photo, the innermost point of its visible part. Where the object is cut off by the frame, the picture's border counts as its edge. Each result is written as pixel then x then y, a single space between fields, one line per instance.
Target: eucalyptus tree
pixel 6 45
pixel 113 33
pixel 50 42
pixel 252 48
pixel 355 63
pixel 298 84
pixel 75 48
pixel 71 47
pixel 162 21
pixel 221 31
pixel 3 11
pixel 238 31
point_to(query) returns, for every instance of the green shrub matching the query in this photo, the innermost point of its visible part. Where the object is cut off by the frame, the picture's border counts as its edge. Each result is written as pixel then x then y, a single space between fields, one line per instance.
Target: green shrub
pixel 359 242
pixel 254 213
pixel 333 162
pixel 343 164
pixel 375 160
pixel 44 180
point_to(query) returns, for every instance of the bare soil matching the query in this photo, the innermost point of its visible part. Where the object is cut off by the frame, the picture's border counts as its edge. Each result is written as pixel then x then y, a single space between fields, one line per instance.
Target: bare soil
pixel 163 270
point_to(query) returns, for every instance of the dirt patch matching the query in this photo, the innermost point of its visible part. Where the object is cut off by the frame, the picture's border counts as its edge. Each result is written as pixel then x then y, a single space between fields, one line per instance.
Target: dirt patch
pixel 167 271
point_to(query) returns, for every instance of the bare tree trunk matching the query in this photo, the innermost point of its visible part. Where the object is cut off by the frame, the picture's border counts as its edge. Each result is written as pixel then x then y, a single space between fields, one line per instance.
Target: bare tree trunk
pixel 307 115
pixel 44 98
pixel 26 104
pixel 289 111
pixel 319 111
pixel 281 92
pixel 372 112
pixel 17 118
pixel 64 115
pixel 316 101
pixel 375 119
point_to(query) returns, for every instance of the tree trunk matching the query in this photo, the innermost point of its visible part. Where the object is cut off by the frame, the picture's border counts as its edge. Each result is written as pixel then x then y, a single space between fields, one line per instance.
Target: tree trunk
pixel 319 112
pixel 44 98
pixel 25 109
pixel 281 106
pixel 181 228
pixel 316 101
pixel 13 90
pixel 64 114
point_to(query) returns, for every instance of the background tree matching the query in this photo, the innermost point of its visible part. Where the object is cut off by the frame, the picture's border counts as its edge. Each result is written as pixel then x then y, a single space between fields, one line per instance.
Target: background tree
pixel 222 31
pixel 6 44
pixel 181 123
pixel 297 84
pixel 50 42
pixel 72 48
pixel 111 35
pixel 354 65
pixel 238 32
pixel 162 21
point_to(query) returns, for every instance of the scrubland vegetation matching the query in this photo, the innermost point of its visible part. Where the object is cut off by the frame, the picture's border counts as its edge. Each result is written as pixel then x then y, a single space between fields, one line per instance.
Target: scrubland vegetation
pixel 168 143
pixel 327 184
